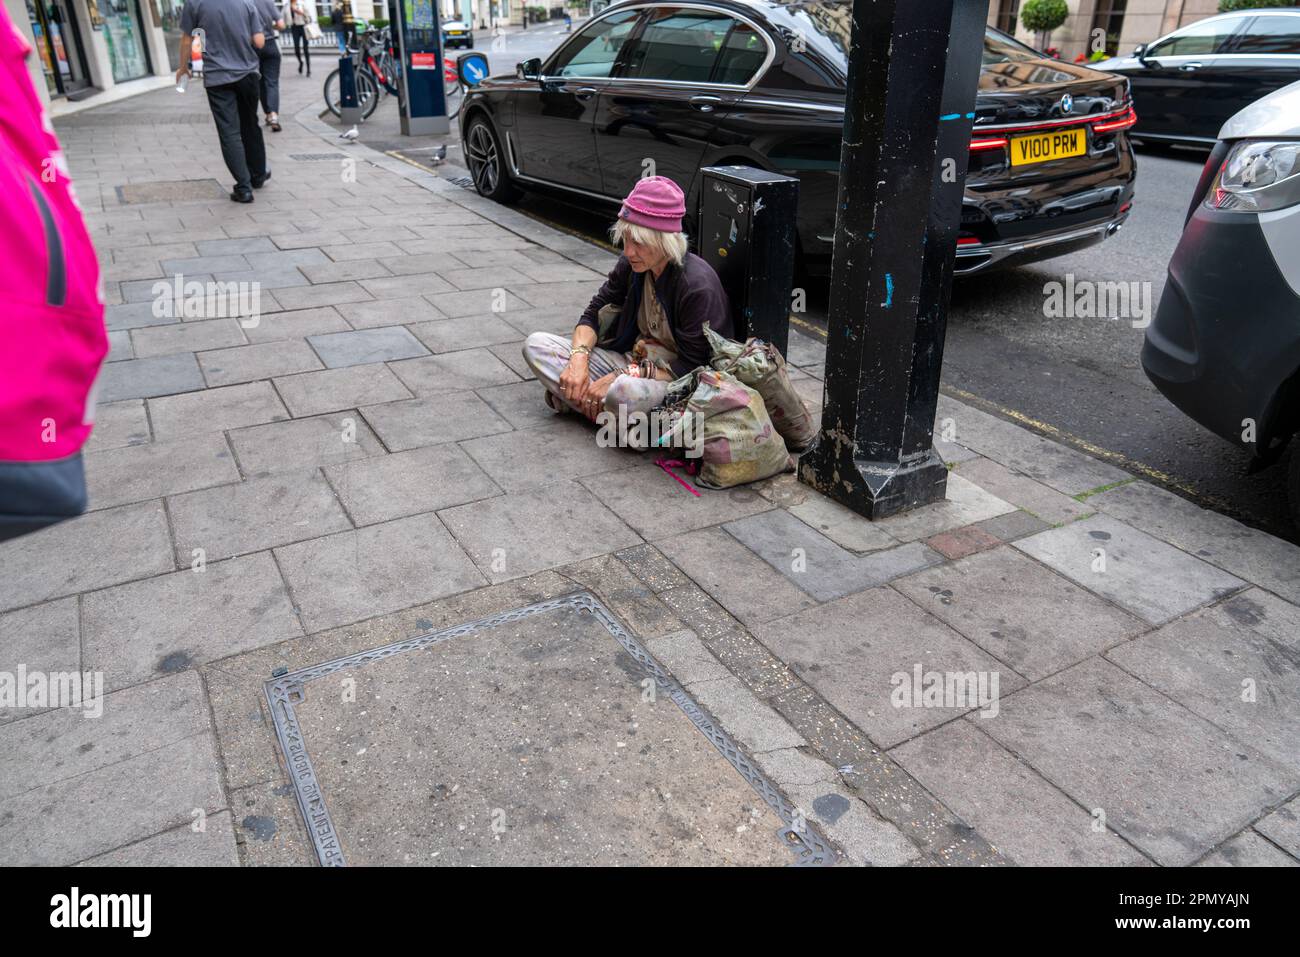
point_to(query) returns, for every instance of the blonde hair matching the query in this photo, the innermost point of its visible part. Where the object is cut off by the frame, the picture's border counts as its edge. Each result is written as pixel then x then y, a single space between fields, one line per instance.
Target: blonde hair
pixel 671 245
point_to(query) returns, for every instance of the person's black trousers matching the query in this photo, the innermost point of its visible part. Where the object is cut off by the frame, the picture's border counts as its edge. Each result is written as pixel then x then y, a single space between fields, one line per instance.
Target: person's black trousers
pixel 301 49
pixel 269 57
pixel 234 107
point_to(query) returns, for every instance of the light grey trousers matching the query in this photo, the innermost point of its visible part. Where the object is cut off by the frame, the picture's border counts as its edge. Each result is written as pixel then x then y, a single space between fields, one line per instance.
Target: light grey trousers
pixel 547 354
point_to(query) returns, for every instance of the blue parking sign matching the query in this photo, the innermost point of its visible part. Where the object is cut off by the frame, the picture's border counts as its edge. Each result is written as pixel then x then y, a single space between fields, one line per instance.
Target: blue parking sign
pixel 472 67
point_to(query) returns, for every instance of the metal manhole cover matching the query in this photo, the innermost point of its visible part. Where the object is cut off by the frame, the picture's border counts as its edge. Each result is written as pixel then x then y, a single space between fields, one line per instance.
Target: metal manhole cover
pixel 171 191
pixel 315 157
pixel 525 738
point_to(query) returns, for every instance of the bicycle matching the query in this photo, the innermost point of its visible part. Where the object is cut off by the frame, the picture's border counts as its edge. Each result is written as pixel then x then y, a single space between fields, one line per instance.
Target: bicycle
pixel 374 74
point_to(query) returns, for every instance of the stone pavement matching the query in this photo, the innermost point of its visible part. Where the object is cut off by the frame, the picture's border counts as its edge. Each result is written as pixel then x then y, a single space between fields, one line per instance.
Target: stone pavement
pixel 370 462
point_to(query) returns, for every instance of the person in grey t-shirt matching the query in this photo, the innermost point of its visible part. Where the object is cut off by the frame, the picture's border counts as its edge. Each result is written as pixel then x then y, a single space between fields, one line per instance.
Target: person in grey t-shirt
pixel 232 34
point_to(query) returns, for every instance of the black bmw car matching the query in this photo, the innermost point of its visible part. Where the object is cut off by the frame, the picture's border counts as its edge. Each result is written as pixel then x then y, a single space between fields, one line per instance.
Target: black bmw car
pixel 666 88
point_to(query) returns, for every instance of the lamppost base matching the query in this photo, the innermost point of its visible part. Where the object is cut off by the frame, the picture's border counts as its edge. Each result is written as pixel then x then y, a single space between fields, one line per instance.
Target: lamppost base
pixel 873 489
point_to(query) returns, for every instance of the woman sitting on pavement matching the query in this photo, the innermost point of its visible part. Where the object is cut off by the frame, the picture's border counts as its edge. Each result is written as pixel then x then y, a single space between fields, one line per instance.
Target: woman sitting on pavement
pixel 645 327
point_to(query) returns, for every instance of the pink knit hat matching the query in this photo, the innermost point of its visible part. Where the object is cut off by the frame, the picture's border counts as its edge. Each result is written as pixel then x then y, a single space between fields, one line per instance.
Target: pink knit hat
pixel 655 202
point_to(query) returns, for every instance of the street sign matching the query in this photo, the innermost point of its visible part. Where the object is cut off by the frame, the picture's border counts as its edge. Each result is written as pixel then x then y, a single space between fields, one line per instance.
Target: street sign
pixel 472 68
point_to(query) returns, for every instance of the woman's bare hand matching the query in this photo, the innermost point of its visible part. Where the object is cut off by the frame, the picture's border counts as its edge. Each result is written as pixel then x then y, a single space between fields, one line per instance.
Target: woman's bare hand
pixel 596 392
pixel 575 380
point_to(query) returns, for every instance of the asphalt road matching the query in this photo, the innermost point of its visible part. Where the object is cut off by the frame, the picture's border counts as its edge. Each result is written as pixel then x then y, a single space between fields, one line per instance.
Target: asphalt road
pixel 1077 380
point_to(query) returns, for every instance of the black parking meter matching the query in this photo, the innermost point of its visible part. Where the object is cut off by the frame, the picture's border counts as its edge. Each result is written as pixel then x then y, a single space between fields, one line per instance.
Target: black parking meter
pixel 747 234
pixel 418 33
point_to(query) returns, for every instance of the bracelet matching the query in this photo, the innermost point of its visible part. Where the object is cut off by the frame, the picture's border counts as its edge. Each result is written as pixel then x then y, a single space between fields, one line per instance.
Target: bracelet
pixel 579 351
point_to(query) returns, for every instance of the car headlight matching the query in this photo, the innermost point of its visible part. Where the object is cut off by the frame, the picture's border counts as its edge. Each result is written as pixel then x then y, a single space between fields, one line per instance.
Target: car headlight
pixel 1257 176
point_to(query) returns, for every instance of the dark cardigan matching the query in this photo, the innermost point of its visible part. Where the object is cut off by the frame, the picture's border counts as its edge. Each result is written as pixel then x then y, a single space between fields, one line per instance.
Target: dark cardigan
pixel 691 296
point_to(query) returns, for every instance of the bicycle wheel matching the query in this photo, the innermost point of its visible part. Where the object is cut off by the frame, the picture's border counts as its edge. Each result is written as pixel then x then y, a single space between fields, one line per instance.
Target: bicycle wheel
pixel 454 97
pixel 332 93
pixel 367 94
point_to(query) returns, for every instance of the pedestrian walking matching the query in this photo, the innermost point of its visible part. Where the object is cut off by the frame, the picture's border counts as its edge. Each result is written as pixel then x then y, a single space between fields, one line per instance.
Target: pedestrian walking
pixel 345 22
pixel 299 17
pixel 269 61
pixel 232 34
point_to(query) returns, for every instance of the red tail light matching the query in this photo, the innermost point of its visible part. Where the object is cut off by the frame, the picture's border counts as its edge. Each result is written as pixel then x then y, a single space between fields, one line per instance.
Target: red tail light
pixel 993 143
pixel 1128 119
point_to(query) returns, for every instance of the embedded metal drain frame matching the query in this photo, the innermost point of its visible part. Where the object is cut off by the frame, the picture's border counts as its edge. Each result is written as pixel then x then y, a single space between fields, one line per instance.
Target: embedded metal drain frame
pixel 810 848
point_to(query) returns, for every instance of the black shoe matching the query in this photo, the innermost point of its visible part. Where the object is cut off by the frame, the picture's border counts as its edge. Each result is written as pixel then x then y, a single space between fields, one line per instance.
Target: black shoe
pixel 259 182
pixel 242 196
pixel 299 67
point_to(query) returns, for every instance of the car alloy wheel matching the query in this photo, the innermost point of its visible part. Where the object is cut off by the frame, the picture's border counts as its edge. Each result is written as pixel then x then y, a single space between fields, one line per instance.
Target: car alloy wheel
pixel 486 163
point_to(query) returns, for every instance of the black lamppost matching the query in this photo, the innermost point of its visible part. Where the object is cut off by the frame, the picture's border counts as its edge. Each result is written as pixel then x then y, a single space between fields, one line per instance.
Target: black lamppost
pixel 913 70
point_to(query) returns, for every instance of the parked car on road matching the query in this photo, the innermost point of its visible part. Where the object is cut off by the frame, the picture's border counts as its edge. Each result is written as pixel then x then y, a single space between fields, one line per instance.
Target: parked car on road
pixel 1187 84
pixel 1225 342
pixel 677 86
pixel 457 33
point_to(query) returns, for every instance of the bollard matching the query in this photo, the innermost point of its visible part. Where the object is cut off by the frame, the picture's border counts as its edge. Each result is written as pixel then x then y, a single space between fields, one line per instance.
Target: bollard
pixel 350 111
pixel 747 234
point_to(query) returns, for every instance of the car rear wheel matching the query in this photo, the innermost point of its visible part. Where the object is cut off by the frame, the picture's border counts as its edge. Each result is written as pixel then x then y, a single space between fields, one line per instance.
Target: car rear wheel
pixel 487 162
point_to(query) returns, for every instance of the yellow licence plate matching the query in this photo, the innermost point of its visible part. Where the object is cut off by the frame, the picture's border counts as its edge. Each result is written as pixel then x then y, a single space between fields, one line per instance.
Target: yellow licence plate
pixel 1042 147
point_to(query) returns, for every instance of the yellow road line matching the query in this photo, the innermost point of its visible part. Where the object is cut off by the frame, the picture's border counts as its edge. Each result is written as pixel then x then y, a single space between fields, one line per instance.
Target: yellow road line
pixel 1066 438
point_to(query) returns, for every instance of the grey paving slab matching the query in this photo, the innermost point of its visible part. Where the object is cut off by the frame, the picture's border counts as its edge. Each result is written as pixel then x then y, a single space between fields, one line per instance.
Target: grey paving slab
pixel 1015 609
pixel 136 473
pixel 1142 574
pixel 515 535
pixel 215 410
pixel 368 345
pixel 861 653
pixel 321 294
pixel 560 321
pixel 332 390
pixel 1168 781
pixel 653 568
pixel 119 346
pixel 519 403
pixel 93 551
pixel 626 781
pixel 312 237
pixel 1236 664
pixel 453 372
pixel 624 594
pixel 118 424
pixel 388 312
pixel 111 807
pixel 686 657
pixel 815 789
pixel 734 576
pixel 267 277
pixel 205 264
pixel 42 638
pixel 227 247
pixel 753 724
pixel 1046 503
pixel 297 324
pixel 360 249
pixel 259 361
pixel 352 576
pixel 1050 463
pixel 657 507
pixel 1018 812
pixel 304 443
pixel 1245 552
pixel 841 525
pixel 511 353
pixel 816 564
pixel 964 503
pixel 442 418
pixel 806 351
pixel 486 277
pixel 556 272
pixel 163 625
pixel 146 378
pixel 554 452
pixel 1282 827
pixel 400 287
pixel 153 291
pixel 386 487
pixel 1012 525
pixel 213 846
pixel 269 827
pixel 254 515
pixel 133 315
pixel 187 337
pixel 1248 849
pixel 558 293
pixel 53 747
pixel 477 302
pixel 465 332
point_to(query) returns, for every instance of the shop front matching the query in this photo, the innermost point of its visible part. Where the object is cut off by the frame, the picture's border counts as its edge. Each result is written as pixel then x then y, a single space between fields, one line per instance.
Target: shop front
pixel 128 55
pixel 58 46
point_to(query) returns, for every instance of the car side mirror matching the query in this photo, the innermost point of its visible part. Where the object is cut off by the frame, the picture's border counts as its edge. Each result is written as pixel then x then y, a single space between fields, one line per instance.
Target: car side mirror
pixel 529 69
pixel 1140 51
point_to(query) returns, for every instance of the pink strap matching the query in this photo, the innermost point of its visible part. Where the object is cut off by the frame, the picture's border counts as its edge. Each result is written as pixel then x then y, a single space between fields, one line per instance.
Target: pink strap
pixel 667 464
